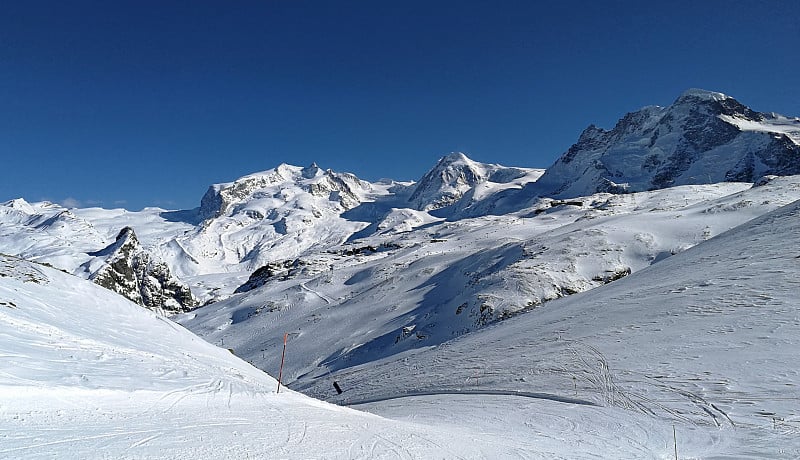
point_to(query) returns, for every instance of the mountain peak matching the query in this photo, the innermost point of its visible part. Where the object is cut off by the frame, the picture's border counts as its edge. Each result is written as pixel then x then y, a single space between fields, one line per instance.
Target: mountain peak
pixel 20 205
pixel 703 137
pixel 455 157
pixel 443 185
pixel 127 233
pixel 702 94
pixel 454 176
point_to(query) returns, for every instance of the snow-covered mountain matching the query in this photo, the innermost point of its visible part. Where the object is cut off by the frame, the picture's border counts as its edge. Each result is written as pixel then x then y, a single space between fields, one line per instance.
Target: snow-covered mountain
pixel 704 137
pixel 390 293
pixel 463 273
pixel 292 214
pixel 270 215
pixel 703 343
pixel 240 226
pixel 456 175
pixel 706 341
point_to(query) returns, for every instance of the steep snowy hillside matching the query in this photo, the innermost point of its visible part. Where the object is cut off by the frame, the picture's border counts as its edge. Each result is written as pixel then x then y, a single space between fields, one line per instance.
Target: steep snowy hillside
pixel 87 374
pixel 387 294
pixel 702 138
pixel 706 341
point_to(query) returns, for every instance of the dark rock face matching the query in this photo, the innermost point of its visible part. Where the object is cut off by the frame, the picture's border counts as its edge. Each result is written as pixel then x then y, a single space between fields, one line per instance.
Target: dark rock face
pixel 703 137
pixel 337 187
pixel 134 273
pixel 274 270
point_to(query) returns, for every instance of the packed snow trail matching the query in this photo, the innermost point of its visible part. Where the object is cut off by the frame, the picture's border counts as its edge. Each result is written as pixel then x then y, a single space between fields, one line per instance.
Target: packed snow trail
pixel 519 394
pixel 86 374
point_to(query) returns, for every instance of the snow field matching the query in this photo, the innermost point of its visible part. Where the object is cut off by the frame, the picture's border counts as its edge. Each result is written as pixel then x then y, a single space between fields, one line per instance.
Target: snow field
pixel 706 340
pixel 86 374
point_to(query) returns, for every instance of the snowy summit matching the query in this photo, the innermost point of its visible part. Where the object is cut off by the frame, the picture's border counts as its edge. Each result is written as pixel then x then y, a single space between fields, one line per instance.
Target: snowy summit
pixel 703 137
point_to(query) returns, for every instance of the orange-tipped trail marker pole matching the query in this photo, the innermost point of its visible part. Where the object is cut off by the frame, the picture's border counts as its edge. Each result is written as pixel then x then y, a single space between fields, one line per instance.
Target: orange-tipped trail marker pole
pixel 283 355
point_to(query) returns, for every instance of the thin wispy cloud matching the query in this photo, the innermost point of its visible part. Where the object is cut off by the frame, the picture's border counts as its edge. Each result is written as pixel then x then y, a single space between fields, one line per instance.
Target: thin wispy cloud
pixel 70 202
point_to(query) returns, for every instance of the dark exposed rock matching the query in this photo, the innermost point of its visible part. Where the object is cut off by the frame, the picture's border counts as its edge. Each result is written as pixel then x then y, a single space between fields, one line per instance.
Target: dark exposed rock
pixel 283 269
pixel 141 277
pixel 612 275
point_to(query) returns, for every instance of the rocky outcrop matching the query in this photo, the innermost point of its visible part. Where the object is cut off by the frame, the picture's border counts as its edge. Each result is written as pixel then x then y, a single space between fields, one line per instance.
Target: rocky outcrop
pixel 131 271
pixel 283 269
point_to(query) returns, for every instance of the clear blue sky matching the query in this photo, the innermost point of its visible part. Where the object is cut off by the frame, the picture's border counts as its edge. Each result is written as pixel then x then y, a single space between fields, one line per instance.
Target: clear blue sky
pixel 139 103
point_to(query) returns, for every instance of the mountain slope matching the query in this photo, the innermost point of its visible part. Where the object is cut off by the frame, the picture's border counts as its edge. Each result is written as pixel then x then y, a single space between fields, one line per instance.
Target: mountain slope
pixel 706 341
pixel 703 137
pixel 88 374
pixel 387 294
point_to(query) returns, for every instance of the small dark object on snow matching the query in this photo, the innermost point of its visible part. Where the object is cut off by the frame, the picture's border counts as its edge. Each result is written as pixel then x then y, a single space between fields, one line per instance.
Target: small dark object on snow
pixel 338 388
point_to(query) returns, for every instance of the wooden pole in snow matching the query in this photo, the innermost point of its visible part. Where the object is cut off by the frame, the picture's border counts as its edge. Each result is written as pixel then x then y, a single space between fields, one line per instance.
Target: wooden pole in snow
pixel 675 440
pixel 283 355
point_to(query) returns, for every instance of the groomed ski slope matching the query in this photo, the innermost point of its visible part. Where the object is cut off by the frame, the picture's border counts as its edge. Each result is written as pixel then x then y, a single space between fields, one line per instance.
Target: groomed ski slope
pixel 86 374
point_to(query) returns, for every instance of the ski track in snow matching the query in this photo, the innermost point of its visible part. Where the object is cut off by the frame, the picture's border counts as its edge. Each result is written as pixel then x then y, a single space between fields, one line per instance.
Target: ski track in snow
pixel 519 394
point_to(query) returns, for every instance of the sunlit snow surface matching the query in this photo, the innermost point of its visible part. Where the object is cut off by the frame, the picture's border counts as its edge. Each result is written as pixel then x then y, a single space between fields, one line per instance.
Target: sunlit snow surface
pixel 707 340
pixel 776 124
pixel 426 287
pixel 704 340
pixel 87 374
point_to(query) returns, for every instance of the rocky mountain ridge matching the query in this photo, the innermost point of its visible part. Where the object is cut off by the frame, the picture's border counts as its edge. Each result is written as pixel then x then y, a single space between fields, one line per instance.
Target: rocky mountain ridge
pixel 703 137
pixel 311 217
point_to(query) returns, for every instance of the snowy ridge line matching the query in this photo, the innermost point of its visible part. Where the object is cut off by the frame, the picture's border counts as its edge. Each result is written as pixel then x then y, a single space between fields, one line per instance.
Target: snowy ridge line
pixel 522 394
